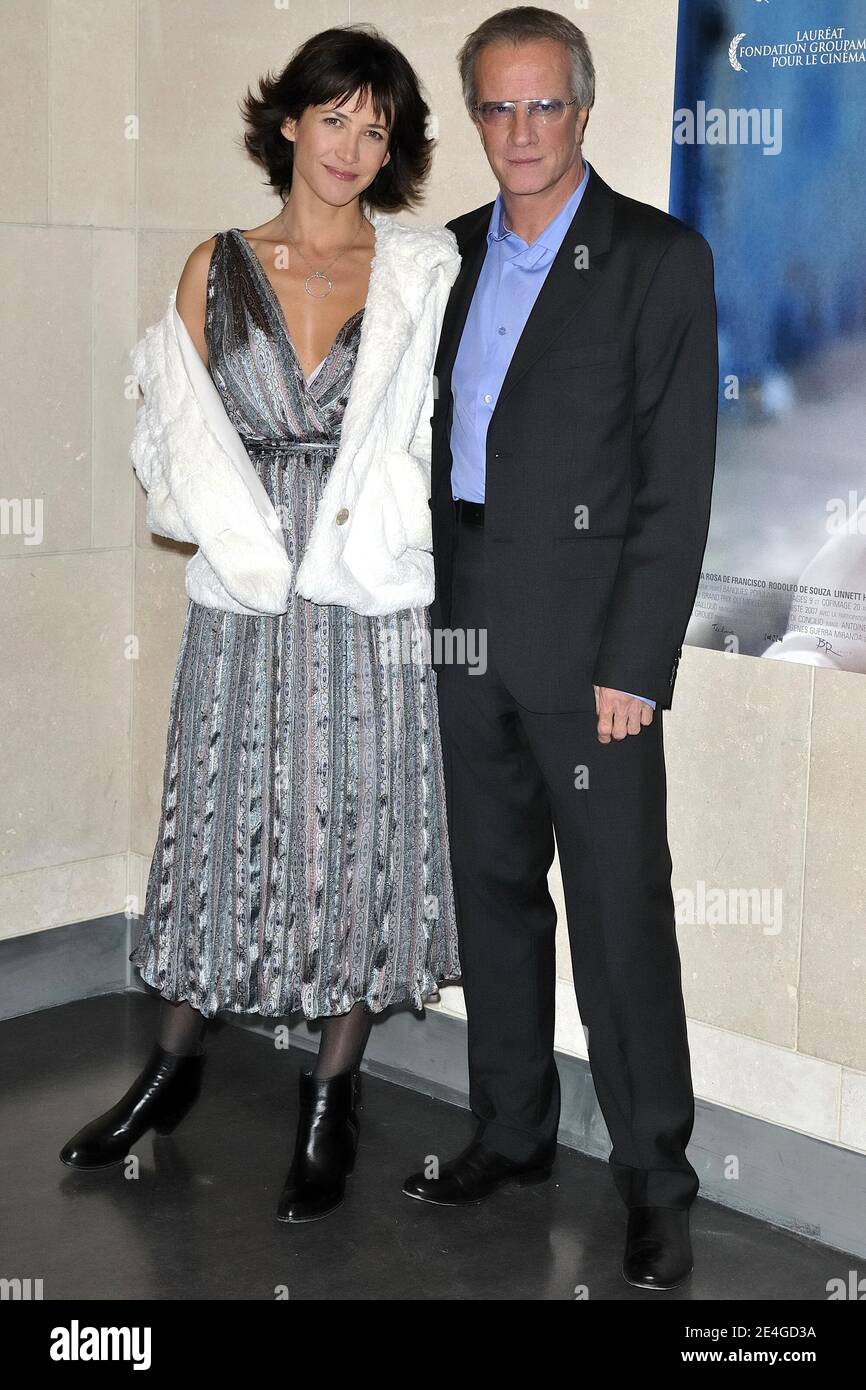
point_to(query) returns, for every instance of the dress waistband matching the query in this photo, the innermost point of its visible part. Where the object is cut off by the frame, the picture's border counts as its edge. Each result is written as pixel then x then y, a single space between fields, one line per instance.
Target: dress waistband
pixel 286 444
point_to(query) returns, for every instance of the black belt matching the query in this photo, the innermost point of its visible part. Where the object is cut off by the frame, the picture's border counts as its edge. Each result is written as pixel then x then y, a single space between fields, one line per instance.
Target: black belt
pixel 469 513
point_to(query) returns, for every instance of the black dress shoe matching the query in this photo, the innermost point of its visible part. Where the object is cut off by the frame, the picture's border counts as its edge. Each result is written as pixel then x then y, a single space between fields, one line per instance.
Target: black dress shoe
pixel 475 1173
pixel 158 1099
pixel 325 1146
pixel 658 1251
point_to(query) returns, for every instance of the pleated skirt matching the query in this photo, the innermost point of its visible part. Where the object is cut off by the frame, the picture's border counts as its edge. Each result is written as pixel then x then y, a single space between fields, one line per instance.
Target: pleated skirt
pixel 301 860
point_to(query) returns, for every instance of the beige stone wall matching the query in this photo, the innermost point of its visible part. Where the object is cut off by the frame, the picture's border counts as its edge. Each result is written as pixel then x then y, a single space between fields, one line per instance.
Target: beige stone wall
pixel 119 154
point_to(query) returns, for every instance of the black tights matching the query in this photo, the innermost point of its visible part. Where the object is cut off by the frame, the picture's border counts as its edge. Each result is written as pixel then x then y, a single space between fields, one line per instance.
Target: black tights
pixel 180 1028
pixel 344 1036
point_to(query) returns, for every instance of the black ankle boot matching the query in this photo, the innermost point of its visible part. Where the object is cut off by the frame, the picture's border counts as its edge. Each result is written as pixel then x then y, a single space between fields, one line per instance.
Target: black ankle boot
pixel 157 1099
pixel 325 1146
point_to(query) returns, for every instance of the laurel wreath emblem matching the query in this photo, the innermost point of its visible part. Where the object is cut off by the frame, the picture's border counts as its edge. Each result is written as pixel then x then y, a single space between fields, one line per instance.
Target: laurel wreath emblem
pixel 732 53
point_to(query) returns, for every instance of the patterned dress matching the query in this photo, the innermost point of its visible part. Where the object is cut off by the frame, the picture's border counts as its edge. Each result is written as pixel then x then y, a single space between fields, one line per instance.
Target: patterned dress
pixel 302 854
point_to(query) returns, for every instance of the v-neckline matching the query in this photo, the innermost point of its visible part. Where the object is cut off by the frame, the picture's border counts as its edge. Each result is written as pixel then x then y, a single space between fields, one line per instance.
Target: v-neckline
pixel 281 317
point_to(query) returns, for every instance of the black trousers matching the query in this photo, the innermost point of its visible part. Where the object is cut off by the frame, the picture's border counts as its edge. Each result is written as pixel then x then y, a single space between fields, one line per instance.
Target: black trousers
pixel 510 782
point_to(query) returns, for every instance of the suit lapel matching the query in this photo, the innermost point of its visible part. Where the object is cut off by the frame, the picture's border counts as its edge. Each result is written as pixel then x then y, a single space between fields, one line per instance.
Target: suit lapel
pixel 566 291
pixel 570 282
pixel 472 251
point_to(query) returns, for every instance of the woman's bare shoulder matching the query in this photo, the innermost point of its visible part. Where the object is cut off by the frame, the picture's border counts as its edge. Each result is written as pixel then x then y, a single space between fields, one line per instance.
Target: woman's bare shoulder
pixel 191 298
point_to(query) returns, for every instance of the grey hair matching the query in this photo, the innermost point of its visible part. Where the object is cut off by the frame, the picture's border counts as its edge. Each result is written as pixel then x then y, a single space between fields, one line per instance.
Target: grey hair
pixel 522 24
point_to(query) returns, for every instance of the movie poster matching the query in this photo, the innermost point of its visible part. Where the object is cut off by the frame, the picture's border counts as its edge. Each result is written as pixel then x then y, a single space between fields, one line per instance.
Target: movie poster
pixel 769 163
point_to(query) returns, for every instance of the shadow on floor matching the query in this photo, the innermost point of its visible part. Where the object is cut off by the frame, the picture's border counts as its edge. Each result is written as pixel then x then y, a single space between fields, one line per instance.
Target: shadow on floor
pixel 198 1220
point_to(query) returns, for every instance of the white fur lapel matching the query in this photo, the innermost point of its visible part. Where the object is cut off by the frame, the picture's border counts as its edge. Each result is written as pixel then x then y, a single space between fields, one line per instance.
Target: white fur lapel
pixel 402 268
pixel 202 485
pixel 372 562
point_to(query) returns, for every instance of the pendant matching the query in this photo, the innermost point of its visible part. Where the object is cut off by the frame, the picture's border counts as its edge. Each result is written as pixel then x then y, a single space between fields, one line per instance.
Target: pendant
pixel 318 275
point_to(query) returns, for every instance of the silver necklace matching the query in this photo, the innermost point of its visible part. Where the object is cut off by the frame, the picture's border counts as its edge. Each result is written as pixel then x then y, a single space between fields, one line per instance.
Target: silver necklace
pixel 320 274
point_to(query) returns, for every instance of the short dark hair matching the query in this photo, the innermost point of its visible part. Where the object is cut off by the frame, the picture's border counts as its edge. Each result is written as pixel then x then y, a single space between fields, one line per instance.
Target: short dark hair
pixel 330 67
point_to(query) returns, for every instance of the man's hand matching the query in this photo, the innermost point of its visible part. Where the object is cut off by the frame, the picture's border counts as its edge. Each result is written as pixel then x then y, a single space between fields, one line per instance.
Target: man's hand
pixel 619 714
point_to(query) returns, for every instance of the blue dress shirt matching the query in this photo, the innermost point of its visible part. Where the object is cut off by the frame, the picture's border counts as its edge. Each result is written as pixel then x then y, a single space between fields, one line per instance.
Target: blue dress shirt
pixel 511 277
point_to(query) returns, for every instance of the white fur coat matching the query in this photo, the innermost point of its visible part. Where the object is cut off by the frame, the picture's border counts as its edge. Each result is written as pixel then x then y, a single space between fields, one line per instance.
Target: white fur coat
pixel 370 545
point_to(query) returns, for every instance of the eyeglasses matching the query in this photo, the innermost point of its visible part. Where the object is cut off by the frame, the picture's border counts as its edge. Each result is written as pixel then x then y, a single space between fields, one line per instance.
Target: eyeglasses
pixel 541 110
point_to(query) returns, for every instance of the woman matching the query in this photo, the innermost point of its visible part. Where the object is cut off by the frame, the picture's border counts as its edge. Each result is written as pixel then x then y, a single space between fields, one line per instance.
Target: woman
pixel 302 856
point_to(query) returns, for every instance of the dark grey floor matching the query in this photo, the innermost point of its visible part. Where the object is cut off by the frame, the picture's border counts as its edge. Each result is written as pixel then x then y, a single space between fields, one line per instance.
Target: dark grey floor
pixel 198 1221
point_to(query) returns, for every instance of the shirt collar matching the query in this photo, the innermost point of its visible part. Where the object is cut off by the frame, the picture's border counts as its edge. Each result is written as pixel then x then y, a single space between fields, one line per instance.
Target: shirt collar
pixel 547 242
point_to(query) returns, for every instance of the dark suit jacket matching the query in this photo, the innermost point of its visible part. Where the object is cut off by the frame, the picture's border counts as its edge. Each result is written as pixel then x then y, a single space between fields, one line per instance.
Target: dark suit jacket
pixel 610 404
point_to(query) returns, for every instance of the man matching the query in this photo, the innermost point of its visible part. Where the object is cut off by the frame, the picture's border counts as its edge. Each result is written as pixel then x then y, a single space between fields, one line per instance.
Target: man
pixel 573 456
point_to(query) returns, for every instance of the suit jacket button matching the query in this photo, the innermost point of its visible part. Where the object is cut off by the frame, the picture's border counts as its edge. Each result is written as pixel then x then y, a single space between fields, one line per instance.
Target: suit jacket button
pixel 342 515
pixel 430 503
